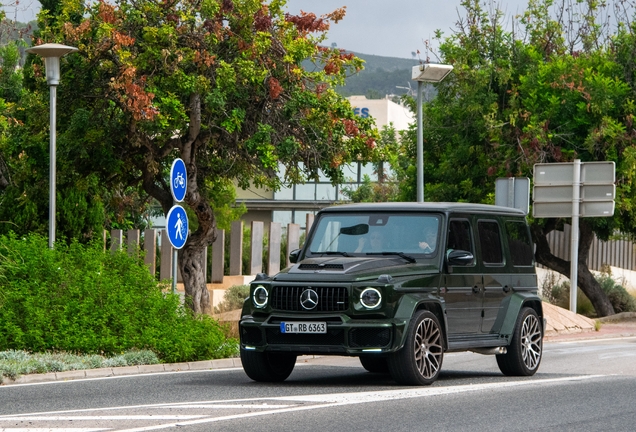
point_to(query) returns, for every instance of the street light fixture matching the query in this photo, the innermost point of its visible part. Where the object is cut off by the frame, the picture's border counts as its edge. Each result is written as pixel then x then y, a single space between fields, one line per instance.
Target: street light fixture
pixel 52 53
pixel 433 73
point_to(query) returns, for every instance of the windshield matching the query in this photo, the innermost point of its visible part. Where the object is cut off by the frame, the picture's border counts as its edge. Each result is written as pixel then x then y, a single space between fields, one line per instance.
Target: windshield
pixel 376 233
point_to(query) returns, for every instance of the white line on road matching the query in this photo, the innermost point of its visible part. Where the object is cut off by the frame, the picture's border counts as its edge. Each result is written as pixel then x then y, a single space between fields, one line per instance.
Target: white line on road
pixel 342 399
pixel 32 418
pixel 51 430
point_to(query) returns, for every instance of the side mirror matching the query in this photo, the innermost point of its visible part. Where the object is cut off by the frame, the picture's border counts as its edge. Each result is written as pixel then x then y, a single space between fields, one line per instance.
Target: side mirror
pixel 459 257
pixel 294 255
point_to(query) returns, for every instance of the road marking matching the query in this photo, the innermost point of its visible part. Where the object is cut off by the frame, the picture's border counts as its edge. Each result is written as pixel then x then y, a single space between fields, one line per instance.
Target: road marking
pixel 258 408
pixel 343 399
pixel 50 430
pixel 225 406
pixel 114 417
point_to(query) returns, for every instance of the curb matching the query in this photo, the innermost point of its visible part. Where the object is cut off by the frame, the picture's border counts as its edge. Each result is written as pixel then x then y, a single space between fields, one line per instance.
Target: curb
pixel 122 371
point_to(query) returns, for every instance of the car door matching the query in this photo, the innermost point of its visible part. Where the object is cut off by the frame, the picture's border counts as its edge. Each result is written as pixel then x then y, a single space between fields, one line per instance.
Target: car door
pixel 496 277
pixel 463 285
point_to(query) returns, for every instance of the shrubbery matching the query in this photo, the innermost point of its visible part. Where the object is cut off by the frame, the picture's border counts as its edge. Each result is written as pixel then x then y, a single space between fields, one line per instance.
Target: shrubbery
pixel 233 298
pixel 80 299
pixel 622 301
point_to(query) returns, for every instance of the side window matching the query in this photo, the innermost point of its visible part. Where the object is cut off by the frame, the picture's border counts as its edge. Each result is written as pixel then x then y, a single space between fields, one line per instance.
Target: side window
pixel 460 236
pixel 519 243
pixel 490 242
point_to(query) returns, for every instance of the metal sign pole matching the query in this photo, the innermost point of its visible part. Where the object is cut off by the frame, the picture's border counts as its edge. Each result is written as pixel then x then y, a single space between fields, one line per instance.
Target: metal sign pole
pixel 174 270
pixel 574 235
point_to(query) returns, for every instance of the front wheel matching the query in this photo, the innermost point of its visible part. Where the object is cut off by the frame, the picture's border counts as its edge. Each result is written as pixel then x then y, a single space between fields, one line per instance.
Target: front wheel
pixel 526 348
pixel 267 367
pixel 420 360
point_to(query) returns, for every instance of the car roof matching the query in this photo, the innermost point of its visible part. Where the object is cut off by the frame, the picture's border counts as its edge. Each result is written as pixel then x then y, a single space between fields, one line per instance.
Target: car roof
pixel 443 207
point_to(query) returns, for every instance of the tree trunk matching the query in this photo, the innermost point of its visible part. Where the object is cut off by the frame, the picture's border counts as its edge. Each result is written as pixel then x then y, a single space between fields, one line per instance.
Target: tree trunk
pixel 586 281
pixel 191 263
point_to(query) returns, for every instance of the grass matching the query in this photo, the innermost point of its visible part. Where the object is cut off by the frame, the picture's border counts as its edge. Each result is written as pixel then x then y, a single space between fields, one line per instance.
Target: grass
pixel 14 363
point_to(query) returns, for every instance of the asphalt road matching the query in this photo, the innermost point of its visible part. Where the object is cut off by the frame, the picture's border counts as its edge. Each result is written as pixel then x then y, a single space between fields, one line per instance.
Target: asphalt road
pixel 580 386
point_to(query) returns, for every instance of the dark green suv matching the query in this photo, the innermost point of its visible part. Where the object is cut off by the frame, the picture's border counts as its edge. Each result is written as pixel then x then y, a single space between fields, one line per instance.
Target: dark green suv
pixel 398 285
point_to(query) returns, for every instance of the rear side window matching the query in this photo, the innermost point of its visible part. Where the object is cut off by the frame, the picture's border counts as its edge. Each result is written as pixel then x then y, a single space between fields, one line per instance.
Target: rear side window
pixel 519 243
pixel 490 242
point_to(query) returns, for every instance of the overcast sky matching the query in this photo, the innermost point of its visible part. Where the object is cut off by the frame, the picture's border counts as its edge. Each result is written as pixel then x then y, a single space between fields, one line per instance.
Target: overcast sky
pixel 392 28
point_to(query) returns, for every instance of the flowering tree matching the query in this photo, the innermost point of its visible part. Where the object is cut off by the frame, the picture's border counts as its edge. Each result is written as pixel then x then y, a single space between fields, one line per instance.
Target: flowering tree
pixel 222 84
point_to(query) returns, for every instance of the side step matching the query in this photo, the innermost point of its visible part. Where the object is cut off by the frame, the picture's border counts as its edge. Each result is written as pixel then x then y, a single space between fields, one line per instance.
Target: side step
pixel 483 344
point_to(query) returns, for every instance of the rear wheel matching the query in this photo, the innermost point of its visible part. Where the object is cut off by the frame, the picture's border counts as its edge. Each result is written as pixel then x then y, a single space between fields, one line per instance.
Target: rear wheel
pixel 375 364
pixel 267 367
pixel 420 360
pixel 526 348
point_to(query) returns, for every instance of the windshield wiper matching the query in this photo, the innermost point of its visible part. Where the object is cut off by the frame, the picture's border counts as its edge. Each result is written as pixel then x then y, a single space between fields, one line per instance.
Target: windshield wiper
pixel 400 254
pixel 334 253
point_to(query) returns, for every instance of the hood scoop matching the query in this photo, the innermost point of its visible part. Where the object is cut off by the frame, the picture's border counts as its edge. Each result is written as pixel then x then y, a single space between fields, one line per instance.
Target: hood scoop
pixel 321 266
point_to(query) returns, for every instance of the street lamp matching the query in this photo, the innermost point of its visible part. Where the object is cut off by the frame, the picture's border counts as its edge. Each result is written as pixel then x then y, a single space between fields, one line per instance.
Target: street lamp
pixel 433 73
pixel 52 53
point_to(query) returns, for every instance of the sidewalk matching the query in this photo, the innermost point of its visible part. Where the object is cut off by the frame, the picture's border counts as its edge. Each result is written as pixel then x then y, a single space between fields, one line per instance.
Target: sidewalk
pixel 561 325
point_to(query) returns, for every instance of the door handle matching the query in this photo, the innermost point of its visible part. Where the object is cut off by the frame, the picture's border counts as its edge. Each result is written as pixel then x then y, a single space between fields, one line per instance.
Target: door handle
pixel 506 289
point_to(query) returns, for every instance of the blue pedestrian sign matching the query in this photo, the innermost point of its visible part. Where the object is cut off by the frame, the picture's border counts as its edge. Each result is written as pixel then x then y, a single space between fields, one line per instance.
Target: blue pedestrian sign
pixel 177 226
pixel 178 180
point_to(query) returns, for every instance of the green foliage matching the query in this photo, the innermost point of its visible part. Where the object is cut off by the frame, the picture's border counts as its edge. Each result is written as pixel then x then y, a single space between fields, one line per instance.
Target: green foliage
pixel 369 191
pixel 618 295
pixel 233 298
pixel 15 363
pixel 79 299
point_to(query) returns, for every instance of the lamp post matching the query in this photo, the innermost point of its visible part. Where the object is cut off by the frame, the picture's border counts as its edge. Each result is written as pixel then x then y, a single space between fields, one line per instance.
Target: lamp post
pixel 424 73
pixel 52 53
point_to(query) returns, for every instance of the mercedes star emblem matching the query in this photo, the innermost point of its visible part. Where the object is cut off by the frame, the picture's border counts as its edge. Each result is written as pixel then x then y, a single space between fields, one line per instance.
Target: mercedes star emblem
pixel 309 299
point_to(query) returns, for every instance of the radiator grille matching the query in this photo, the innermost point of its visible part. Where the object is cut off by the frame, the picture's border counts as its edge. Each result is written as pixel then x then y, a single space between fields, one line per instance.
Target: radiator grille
pixel 330 299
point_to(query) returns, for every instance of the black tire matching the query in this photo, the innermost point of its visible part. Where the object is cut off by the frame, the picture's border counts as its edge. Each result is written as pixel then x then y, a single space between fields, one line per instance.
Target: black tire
pixel 526 347
pixel 375 364
pixel 267 367
pixel 420 360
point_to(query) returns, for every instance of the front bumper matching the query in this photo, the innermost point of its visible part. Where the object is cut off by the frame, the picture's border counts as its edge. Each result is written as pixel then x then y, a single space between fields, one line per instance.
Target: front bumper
pixel 344 336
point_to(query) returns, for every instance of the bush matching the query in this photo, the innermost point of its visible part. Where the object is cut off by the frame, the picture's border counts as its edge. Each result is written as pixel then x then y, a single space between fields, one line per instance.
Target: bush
pixel 233 298
pixel 77 298
pixel 618 295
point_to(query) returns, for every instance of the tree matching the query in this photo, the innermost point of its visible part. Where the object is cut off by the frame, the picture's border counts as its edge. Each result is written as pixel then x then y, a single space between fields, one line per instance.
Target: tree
pixel 559 86
pixel 218 83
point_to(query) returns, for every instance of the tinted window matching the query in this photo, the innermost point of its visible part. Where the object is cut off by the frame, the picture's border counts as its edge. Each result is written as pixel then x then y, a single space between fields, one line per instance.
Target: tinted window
pixel 490 242
pixel 520 244
pixel 459 236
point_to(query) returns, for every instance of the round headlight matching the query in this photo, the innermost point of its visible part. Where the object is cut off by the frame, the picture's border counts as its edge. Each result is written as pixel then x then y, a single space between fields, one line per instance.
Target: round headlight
pixel 371 298
pixel 260 296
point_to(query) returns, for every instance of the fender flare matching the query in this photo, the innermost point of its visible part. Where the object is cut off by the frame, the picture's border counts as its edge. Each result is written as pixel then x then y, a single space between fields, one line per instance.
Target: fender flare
pixel 512 305
pixel 411 303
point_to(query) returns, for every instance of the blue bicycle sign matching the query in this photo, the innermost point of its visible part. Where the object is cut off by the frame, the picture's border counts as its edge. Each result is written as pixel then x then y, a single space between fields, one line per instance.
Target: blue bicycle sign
pixel 178 180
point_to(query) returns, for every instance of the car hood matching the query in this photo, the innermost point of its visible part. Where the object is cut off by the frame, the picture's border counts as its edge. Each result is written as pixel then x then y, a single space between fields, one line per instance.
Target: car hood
pixel 351 268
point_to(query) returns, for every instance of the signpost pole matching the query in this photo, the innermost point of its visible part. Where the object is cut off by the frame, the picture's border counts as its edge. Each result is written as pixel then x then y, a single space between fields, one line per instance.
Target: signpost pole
pixel 574 235
pixel 175 256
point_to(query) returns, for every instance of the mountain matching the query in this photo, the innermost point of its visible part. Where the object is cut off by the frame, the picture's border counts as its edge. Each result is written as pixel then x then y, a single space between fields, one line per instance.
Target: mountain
pixel 380 77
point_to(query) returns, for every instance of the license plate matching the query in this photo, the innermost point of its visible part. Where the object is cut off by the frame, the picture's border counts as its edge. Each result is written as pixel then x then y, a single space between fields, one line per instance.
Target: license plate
pixel 303 327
